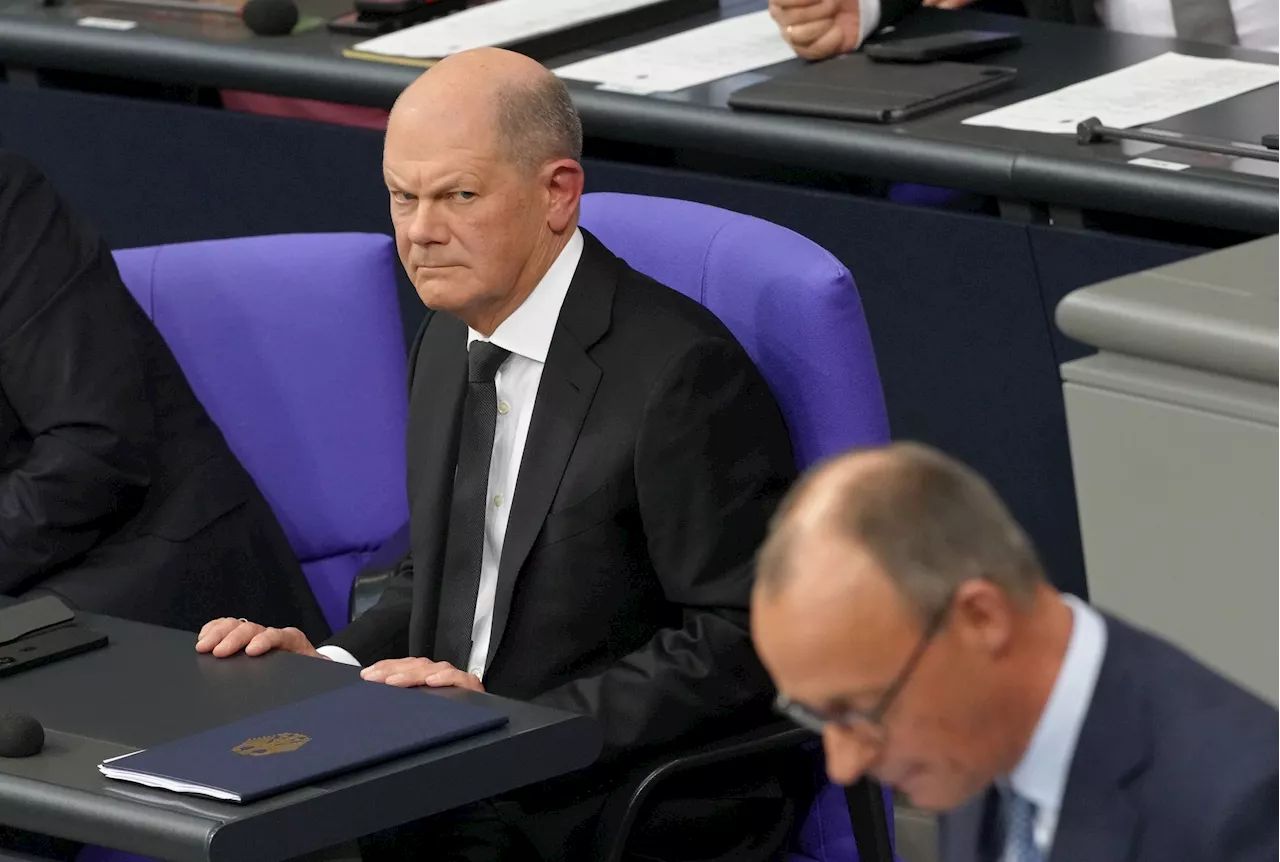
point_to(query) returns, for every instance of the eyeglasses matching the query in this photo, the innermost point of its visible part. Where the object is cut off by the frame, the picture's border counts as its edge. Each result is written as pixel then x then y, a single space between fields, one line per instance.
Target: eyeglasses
pixel 870 722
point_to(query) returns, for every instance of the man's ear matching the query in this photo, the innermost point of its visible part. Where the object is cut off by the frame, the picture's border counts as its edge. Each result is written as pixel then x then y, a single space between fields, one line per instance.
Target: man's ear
pixel 563 183
pixel 983 616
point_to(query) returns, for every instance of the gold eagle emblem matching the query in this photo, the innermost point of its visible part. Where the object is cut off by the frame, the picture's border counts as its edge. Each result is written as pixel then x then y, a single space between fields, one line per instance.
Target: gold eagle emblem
pixel 279 743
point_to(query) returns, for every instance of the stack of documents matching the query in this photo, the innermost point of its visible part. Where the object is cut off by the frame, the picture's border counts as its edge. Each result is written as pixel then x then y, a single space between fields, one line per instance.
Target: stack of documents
pixel 687 59
pixel 503 23
pixel 1147 92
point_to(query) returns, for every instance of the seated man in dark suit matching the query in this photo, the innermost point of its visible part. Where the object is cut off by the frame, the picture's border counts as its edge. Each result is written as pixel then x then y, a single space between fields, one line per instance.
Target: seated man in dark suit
pixel 592 460
pixel 117 492
pixel 905 616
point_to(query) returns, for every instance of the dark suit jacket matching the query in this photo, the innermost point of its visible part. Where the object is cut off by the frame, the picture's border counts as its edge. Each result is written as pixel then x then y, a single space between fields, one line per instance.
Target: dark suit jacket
pixel 1058 11
pixel 1173 763
pixel 654 458
pixel 117 491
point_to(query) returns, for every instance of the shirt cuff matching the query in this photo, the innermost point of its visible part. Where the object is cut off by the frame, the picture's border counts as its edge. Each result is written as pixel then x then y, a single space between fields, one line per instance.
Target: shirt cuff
pixel 868 19
pixel 338 654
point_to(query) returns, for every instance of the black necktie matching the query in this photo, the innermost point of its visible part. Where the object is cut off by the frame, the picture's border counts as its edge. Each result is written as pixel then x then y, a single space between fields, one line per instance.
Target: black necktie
pixel 464 547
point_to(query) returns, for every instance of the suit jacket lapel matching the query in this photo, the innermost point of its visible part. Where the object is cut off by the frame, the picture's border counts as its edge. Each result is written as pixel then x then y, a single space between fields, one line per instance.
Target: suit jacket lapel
pixel 568 385
pixel 439 385
pixel 1099 820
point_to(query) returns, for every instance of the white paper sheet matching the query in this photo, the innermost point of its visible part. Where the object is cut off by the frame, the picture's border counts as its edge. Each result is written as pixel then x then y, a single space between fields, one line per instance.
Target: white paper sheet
pixel 499 23
pixel 1147 92
pixel 687 59
pixel 158 781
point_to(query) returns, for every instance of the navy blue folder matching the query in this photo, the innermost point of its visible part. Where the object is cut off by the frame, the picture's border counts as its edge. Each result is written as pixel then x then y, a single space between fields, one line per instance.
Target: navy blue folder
pixel 341 730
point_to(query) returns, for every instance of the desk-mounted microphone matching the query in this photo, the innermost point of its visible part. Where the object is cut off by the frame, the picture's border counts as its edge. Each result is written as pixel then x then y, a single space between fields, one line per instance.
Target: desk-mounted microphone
pixel 263 17
pixel 20 735
pixel 1091 131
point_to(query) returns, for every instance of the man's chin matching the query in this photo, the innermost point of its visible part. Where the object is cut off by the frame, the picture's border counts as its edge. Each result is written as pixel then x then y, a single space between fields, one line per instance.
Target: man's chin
pixel 437 293
pixel 936 800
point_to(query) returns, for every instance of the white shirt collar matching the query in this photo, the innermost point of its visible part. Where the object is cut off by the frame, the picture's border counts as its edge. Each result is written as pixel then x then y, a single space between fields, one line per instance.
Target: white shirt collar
pixel 1041 775
pixel 528 330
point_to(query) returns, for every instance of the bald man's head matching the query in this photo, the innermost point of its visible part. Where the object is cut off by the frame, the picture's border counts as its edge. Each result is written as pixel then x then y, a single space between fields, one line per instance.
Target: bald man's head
pixel 481 162
pixel 526 108
pixel 928 521
pixel 896 608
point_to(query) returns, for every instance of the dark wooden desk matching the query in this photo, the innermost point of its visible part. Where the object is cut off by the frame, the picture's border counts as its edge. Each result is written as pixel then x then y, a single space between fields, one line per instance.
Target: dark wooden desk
pixel 149 686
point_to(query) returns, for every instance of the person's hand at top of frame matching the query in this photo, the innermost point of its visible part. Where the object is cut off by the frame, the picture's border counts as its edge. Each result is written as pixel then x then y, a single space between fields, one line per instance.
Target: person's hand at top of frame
pixel 817 29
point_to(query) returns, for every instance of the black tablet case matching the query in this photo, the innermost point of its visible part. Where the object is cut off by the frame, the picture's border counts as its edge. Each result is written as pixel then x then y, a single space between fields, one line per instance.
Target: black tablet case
pixel 853 87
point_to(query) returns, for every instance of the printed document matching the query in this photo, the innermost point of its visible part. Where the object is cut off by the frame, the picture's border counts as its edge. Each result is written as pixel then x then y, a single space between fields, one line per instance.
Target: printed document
pixel 687 59
pixel 1147 92
pixel 499 23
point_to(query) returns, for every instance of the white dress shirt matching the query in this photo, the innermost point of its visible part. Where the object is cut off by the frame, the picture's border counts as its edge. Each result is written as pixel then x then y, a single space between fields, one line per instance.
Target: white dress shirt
pixel 527 335
pixel 1256 20
pixel 1041 775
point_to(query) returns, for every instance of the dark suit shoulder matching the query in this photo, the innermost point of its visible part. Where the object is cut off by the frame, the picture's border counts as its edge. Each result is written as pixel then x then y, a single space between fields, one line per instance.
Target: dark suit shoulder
pixel 1212 746
pixel 1173 681
pixel 45 246
pixel 661 318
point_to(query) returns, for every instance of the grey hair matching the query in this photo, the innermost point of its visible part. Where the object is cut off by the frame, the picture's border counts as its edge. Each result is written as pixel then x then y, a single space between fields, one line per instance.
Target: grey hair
pixel 929 522
pixel 537 122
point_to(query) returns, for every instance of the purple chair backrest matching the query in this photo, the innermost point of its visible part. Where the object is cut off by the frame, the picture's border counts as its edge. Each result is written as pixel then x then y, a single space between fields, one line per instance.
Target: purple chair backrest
pixel 795 309
pixel 793 306
pixel 294 345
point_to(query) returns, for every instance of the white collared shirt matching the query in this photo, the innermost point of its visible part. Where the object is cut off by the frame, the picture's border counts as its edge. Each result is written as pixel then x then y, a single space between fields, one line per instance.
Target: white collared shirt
pixel 1041 774
pixel 1256 20
pixel 527 334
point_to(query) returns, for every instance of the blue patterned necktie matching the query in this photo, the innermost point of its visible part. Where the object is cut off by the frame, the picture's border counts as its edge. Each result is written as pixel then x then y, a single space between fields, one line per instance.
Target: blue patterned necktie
pixel 1020 829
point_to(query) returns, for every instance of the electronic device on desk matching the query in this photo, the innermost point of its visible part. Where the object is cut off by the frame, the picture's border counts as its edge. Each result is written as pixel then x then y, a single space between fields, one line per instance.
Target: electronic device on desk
pixel 372 17
pixel 944 46
pixel 39 632
pixel 854 87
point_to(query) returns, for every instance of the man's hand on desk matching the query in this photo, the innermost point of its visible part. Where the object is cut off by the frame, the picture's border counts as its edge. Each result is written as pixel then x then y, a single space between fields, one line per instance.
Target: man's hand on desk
pixel 226 637
pixel 410 672
pixel 818 28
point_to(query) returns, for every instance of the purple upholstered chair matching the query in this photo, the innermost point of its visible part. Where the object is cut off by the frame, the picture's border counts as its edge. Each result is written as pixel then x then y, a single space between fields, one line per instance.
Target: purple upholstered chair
pixel 294 345
pixel 795 309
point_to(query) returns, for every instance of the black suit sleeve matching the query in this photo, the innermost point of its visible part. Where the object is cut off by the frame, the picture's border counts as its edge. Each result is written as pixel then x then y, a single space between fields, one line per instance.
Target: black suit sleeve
pixel 71 380
pixel 712 461
pixel 893 11
pixel 383 630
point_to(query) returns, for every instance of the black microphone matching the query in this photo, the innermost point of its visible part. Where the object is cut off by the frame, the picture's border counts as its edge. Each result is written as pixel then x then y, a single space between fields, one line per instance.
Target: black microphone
pixel 263 17
pixel 20 735
pixel 1092 130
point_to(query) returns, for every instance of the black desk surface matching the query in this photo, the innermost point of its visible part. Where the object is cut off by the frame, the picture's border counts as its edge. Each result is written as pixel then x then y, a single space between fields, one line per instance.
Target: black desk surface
pixel 215 51
pixel 149 686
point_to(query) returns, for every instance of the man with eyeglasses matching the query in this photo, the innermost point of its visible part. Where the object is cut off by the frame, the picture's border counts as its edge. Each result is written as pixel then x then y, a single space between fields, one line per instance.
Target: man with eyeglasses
pixel 905 617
